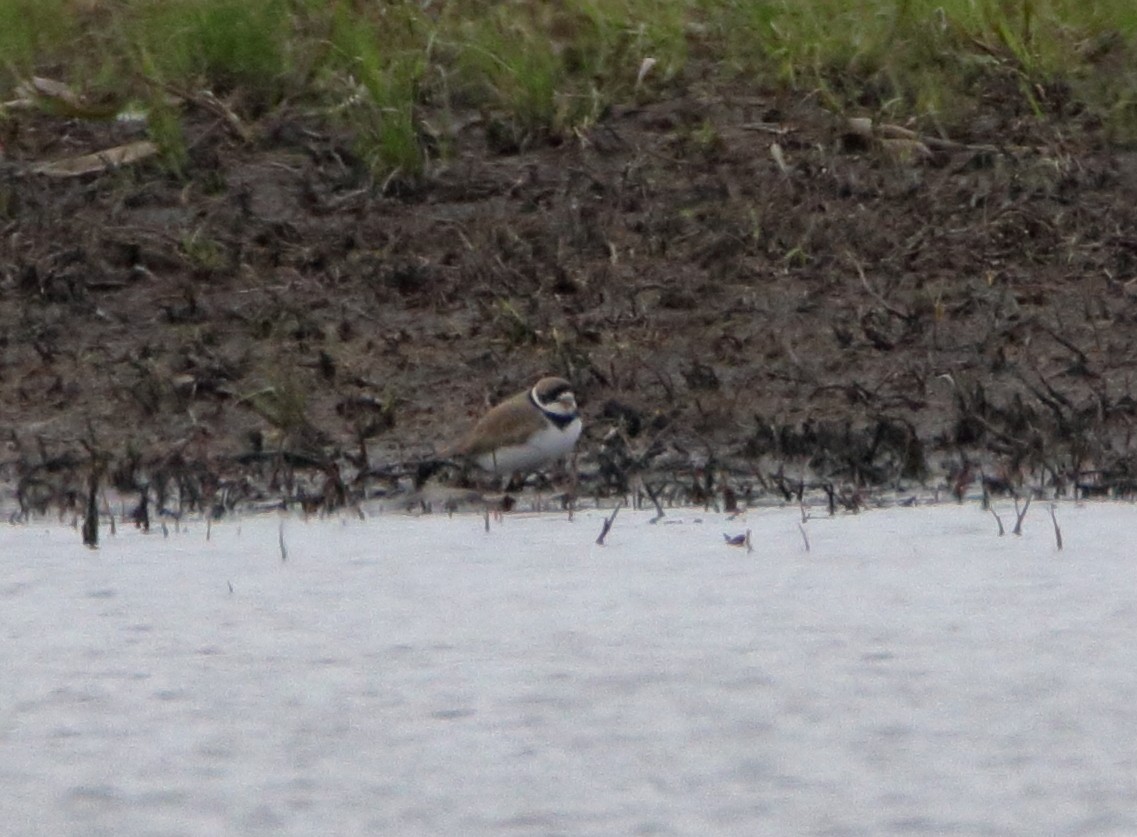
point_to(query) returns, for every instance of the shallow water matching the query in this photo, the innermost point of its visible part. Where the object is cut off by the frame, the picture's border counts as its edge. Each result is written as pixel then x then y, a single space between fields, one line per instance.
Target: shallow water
pixel 911 673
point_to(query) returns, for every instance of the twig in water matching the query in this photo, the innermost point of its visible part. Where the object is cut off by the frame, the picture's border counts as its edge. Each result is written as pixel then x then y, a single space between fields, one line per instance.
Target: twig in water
pixel 831 496
pixel 608 521
pixel 109 512
pixel 654 495
pixel 730 502
pixel 804 536
pixel 91 520
pixel 487 518
pixel 998 520
pixel 1057 530
pixel 283 548
pixel 1018 530
pixel 208 525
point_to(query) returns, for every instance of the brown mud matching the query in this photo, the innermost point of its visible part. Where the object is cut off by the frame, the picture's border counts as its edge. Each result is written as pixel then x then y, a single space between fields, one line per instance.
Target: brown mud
pixel 752 296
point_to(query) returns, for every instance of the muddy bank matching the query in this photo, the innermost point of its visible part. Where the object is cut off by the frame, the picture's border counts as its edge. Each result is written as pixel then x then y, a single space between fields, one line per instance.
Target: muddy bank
pixel 747 292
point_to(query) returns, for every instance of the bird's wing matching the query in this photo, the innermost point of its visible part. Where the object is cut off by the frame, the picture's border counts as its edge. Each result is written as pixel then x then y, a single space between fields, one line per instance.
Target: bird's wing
pixel 503 425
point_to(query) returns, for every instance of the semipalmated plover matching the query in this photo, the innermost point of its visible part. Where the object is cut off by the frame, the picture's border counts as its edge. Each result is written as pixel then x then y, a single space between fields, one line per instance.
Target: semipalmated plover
pixel 526 430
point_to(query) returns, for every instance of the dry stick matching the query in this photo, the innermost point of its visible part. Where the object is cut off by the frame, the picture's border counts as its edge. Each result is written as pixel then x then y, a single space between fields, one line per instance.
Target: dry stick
pixel 487 510
pixel 109 512
pixel 1018 530
pixel 608 524
pixel 804 536
pixel 91 520
pixel 875 294
pixel 651 492
pixel 831 495
pixel 998 520
pixel 283 548
pixel 1057 530
pixel 211 104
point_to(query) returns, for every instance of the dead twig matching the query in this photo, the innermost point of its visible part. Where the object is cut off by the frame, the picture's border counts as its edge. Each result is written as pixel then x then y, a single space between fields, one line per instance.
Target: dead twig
pixel 1018 530
pixel 998 520
pixel 654 495
pixel 608 521
pixel 108 158
pixel 91 520
pixel 1057 528
pixel 804 536
pixel 864 128
pixel 207 101
pixel 730 502
pixel 283 548
pixel 767 128
pixel 109 512
pixel 905 316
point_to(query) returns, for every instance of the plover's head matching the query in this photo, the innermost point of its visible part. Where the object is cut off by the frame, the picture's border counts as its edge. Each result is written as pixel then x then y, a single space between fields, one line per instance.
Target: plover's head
pixel 554 395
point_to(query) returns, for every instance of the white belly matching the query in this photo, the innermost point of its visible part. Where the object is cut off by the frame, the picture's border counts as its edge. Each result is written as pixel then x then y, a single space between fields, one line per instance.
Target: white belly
pixel 547 445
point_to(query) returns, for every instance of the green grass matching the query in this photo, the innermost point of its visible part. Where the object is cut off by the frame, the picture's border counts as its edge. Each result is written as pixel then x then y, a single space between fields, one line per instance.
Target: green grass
pixel 934 59
pixel 30 31
pixel 229 46
pixel 399 76
pixel 373 68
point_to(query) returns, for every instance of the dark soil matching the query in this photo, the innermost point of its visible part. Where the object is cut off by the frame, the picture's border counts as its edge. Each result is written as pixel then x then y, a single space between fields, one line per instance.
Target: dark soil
pixel 746 293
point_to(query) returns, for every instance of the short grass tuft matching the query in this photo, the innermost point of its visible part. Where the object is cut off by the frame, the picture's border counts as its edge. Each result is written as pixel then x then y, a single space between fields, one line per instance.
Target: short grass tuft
pixel 395 71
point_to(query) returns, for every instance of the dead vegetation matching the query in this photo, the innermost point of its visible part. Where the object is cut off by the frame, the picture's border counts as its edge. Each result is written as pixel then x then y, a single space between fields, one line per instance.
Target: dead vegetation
pixel 754 297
